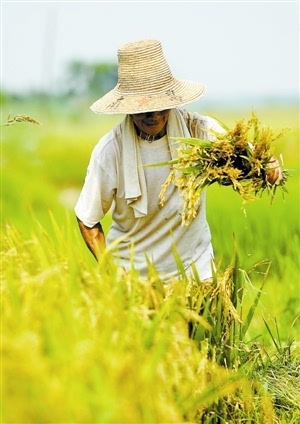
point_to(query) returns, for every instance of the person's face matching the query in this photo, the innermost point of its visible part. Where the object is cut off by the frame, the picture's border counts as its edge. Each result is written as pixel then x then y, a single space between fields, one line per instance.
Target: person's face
pixel 151 123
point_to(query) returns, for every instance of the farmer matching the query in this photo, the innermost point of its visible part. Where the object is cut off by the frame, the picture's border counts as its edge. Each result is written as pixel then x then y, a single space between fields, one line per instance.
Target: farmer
pixel 149 96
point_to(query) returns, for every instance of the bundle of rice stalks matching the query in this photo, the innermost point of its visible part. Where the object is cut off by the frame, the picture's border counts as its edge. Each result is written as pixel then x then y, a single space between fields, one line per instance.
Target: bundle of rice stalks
pixel 240 157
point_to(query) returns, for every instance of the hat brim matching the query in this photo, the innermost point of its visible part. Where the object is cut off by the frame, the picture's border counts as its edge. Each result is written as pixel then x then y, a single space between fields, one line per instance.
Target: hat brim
pixel 177 93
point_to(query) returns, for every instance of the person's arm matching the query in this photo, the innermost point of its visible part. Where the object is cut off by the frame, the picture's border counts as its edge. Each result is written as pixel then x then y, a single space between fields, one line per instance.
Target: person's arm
pixel 94 238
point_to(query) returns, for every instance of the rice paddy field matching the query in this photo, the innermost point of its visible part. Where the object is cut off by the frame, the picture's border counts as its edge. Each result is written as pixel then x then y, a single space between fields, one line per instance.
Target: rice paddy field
pixel 83 342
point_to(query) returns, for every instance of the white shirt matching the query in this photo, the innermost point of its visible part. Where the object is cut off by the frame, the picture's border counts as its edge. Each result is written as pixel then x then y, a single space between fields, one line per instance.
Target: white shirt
pixel 158 234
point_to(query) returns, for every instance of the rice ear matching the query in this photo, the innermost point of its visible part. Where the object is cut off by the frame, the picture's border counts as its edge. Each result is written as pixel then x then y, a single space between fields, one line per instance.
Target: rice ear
pixel 238 157
pixel 20 118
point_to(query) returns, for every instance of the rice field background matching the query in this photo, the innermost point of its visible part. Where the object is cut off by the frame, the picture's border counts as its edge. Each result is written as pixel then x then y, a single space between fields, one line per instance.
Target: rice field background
pixel 84 343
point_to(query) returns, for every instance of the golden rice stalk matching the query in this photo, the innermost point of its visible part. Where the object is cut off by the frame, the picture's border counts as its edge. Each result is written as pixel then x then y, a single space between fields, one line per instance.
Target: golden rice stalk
pixel 239 157
pixel 20 118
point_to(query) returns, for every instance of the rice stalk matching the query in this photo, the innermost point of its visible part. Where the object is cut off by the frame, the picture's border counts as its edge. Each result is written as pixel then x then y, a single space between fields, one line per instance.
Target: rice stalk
pixel 20 118
pixel 240 157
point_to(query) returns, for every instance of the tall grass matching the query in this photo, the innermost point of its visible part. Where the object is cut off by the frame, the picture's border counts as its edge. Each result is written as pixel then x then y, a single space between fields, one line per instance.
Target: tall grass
pixel 87 343
pixel 92 344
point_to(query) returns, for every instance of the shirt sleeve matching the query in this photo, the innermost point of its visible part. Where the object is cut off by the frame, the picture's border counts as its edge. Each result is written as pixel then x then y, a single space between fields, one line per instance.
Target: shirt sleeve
pixel 199 126
pixel 210 124
pixel 98 191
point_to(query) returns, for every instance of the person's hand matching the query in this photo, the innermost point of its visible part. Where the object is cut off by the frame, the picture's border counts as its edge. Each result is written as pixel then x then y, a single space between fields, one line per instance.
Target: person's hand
pixel 274 173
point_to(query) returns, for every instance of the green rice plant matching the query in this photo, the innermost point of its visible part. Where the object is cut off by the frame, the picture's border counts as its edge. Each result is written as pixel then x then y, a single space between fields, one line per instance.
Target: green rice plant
pixel 220 303
pixel 280 375
pixel 117 348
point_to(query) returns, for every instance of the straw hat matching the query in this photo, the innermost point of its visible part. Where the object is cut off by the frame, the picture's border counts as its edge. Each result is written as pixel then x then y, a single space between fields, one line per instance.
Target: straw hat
pixel 145 82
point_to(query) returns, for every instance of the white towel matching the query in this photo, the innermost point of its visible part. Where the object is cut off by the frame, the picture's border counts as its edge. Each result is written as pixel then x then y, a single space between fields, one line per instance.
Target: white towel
pixel 135 183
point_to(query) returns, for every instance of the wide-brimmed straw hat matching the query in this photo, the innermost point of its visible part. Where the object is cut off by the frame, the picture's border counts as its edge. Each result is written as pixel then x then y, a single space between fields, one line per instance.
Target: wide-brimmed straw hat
pixel 145 82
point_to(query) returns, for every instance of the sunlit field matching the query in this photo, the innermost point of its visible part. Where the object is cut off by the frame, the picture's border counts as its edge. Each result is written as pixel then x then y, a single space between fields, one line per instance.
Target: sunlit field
pixel 85 343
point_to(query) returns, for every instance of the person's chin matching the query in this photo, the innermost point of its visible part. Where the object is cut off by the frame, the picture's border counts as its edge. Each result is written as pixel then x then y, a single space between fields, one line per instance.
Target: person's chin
pixel 153 129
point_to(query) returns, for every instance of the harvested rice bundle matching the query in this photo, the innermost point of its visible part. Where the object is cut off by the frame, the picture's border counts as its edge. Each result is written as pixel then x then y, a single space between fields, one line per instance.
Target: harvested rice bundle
pixel 240 157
